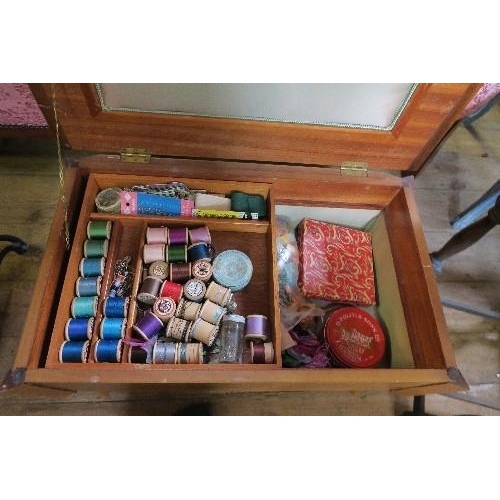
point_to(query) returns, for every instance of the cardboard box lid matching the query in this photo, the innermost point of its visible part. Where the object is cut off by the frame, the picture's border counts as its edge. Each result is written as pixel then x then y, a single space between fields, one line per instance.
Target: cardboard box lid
pixel 386 126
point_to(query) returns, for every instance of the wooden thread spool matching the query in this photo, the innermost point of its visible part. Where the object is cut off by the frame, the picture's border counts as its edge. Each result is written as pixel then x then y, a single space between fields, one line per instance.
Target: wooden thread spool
pixel 202 270
pixel 261 353
pixel 150 290
pixel 204 331
pixel 179 329
pixel 164 308
pixel 188 309
pixel 212 312
pixel 165 353
pixel 156 235
pixel 150 253
pixel 158 269
pixel 180 272
pixel 189 353
pixel 172 290
pixel 218 294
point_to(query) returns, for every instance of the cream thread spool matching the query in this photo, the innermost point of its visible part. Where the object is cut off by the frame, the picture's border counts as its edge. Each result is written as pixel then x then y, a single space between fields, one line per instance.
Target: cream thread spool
pixel 202 270
pixel 164 308
pixel 218 294
pixel 194 290
pixel 179 329
pixel 158 269
pixel 187 309
pixel 212 312
pixel 204 331
pixel 151 253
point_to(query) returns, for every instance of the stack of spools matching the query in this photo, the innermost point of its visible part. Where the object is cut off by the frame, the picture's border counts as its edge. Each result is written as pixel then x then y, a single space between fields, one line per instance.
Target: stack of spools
pixel 257 335
pixel 78 330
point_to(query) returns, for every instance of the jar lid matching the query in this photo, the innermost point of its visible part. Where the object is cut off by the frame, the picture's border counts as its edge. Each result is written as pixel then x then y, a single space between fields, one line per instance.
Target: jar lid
pixel 355 338
pixel 232 269
pixel 233 317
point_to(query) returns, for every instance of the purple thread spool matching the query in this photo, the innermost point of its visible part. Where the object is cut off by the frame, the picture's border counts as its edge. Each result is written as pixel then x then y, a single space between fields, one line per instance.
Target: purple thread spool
pixel 256 327
pixel 148 326
pixel 200 235
pixel 178 236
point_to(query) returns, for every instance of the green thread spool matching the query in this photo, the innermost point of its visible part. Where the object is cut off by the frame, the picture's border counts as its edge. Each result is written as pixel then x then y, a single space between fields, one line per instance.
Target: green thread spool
pixel 239 202
pixel 84 307
pixel 177 253
pixel 95 248
pixel 99 229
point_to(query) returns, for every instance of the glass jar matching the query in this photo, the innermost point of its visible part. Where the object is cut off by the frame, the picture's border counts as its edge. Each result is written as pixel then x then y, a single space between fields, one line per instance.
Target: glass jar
pixel 231 335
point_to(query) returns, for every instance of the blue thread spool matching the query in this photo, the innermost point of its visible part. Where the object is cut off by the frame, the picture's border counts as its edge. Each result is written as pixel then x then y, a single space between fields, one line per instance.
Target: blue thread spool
pixel 88 287
pixel 112 328
pixel 108 351
pixel 116 307
pixel 74 352
pixel 199 251
pixel 92 267
pixel 79 329
pixel 95 248
pixel 84 307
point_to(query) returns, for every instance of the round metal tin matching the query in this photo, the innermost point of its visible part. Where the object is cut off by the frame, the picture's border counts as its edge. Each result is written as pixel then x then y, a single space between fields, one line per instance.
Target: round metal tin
pixel 232 269
pixel 355 338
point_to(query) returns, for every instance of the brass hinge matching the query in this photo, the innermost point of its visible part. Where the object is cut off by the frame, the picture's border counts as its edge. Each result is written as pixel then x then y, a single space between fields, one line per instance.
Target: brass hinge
pixel 354 168
pixel 134 155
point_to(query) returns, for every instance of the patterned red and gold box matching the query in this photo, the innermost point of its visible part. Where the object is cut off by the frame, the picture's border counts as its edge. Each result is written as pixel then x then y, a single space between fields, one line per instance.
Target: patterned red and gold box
pixel 336 263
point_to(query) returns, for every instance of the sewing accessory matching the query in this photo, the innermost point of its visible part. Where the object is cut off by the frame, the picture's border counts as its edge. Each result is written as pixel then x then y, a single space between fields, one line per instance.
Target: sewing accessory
pixel 218 294
pixel 194 290
pixel 112 328
pixel 115 307
pixel 261 353
pixel 179 272
pixel 87 287
pixel 355 339
pixel 172 290
pixel 202 270
pixel 212 312
pixel 74 351
pixel 204 331
pixel 108 351
pixel 92 267
pixel 172 189
pixel 95 248
pixel 232 269
pixel 99 229
pixel 165 352
pixel 84 307
pixel 122 279
pixel 178 236
pixel 187 309
pixel 256 327
pixel 249 204
pixel 148 326
pixel 179 329
pixel 158 269
pixel 189 353
pixel 79 329
pixel 151 253
pixel 164 308
pixel 108 200
pixel 158 235
pixel 176 253
pixel 150 290
pixel 200 235
pixel 199 251
pixel 134 203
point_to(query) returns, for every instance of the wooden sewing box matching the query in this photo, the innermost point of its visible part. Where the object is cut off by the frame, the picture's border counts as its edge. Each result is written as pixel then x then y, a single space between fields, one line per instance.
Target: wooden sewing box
pixel 277 140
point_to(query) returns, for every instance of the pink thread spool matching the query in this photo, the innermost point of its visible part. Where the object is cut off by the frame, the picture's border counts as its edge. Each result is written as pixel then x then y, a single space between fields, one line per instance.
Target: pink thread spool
pixel 158 235
pixel 200 235
pixel 257 327
pixel 150 253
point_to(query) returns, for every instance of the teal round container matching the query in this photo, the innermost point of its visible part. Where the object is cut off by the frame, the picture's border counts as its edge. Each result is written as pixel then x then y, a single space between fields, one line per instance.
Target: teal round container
pixel 232 269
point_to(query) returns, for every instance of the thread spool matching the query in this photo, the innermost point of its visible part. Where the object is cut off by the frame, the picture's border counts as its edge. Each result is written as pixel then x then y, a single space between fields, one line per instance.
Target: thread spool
pixel 151 253
pixel 148 326
pixel 176 253
pixel 179 272
pixel 78 329
pixel 232 269
pixel 95 248
pixel 158 235
pixel 179 329
pixel 178 236
pixel 150 290
pixel 204 331
pixel 212 312
pixel 84 307
pixel 261 353
pixel 133 203
pixel 187 309
pixel 172 290
pixel 88 287
pixel 256 327
pixel 189 353
pixel 108 351
pixel 74 351
pixel 202 270
pixel 200 235
pixel 194 290
pixel 115 307
pixel 218 294
pixel 164 308
pixel 158 269
pixel 165 353
pixel 92 267
pixel 99 229
pixel 112 328
pixel 137 355
pixel 199 251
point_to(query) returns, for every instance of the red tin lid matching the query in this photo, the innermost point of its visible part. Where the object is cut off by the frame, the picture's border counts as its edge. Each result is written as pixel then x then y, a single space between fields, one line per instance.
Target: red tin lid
pixel 355 338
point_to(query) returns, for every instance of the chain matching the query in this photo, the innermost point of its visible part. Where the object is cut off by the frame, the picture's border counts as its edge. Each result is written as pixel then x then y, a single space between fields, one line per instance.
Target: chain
pixel 61 170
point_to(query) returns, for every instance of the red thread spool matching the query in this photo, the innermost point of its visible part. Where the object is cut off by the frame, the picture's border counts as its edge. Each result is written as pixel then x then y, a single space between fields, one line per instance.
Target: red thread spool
pixel 172 290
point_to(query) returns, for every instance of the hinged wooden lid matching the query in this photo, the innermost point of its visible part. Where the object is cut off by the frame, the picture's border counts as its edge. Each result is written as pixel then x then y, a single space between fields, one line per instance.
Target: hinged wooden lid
pixel 274 123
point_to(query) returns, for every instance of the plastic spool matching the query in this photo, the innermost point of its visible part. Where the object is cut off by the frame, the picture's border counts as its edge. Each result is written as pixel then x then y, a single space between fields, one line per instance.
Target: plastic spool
pixel 74 351
pixel 92 267
pixel 95 248
pixel 261 353
pixel 84 307
pixel 79 329
pixel 99 229
pixel 88 286
pixel 108 351
pixel 112 328
pixel 116 307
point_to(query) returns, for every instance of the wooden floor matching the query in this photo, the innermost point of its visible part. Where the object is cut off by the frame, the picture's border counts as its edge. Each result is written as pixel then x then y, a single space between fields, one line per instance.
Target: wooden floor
pixel 466 165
